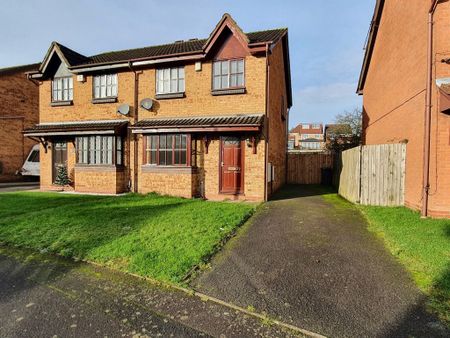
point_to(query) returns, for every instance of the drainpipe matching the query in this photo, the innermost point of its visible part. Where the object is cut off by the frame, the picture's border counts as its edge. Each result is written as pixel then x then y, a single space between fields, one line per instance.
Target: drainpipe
pixel 427 133
pixel 135 136
pixel 266 160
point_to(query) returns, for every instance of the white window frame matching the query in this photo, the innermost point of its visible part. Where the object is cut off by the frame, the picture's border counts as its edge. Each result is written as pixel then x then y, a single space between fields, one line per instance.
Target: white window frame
pixel 62 89
pixel 105 86
pixel 170 80
pixel 99 150
pixel 228 79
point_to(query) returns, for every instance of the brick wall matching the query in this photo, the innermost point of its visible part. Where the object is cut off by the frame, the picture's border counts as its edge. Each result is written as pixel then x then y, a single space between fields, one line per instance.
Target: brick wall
pixel 394 96
pixel 277 125
pixel 20 108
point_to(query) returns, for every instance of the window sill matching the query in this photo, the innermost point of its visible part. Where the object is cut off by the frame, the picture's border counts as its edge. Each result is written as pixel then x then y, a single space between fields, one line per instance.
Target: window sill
pixel 232 91
pixel 99 167
pixel 146 168
pixel 169 96
pixel 61 103
pixel 104 100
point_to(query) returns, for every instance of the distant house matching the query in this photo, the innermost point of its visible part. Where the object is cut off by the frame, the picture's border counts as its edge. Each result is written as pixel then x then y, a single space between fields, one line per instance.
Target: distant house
pixel 307 137
pixel 405 82
pixel 202 117
pixel 19 102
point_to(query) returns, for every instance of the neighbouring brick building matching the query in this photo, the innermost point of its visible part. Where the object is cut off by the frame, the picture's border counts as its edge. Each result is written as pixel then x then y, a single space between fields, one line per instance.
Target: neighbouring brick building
pixel 307 137
pixel 19 101
pixel 397 74
pixel 192 118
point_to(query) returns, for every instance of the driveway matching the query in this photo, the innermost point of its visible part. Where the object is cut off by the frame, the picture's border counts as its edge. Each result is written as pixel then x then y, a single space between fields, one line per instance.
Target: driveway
pixel 313 263
pixel 19 186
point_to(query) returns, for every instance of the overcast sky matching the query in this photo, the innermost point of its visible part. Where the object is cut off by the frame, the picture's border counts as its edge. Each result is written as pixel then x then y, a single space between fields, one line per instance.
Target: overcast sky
pixel 326 37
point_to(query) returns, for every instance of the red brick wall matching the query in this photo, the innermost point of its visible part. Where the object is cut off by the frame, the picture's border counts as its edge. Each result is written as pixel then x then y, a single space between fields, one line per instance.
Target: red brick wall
pixel 277 125
pixel 19 101
pixel 394 96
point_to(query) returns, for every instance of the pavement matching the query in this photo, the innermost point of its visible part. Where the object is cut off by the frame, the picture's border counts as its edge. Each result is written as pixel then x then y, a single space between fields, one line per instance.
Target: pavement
pixel 19 186
pixel 43 296
pixel 314 264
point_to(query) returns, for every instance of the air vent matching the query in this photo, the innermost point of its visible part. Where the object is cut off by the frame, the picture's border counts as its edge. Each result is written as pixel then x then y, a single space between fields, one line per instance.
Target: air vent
pixel 179 41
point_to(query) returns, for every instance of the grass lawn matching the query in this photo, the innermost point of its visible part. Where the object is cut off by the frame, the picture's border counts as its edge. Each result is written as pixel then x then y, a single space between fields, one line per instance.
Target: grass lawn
pixel 422 245
pixel 157 236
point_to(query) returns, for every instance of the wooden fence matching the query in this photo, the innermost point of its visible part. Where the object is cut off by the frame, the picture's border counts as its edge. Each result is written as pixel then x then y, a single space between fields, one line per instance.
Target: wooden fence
pixel 306 168
pixel 372 175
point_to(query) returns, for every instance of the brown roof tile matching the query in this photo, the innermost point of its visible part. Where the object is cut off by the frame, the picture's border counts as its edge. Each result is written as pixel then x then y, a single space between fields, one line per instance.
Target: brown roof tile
pixel 19 69
pixel 213 121
pixel 76 126
pixel 182 47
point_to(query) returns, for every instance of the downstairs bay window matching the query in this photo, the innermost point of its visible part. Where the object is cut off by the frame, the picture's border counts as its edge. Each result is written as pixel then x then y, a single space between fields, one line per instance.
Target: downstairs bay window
pixel 167 150
pixel 99 150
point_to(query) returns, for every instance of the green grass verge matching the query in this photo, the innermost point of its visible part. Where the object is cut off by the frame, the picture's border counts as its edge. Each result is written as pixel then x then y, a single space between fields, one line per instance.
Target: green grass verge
pixel 422 245
pixel 154 236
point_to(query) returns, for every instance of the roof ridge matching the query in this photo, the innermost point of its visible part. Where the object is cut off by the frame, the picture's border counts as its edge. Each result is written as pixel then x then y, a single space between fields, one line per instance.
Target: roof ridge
pixel 150 46
pixel 196 40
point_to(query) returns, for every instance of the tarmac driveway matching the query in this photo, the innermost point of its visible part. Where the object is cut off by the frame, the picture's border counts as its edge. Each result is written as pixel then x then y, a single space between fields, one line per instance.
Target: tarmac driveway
pixel 314 264
pixel 19 186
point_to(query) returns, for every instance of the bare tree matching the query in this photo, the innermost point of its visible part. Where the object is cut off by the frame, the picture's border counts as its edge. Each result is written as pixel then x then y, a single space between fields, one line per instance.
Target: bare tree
pixel 346 132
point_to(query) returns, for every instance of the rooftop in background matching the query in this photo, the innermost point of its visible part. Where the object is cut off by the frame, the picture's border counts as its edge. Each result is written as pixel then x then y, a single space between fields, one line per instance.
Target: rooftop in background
pixel 18 69
pixel 308 128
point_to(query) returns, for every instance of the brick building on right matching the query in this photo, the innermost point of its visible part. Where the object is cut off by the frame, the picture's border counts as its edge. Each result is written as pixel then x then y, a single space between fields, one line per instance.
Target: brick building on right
pixel 405 81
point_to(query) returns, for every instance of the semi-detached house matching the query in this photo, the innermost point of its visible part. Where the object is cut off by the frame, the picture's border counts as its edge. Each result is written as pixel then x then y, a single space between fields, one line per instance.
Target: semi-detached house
pixel 198 118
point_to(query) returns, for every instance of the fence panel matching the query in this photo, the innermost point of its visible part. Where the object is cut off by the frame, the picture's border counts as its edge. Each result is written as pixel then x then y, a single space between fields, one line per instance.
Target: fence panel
pixel 383 174
pixel 348 168
pixel 306 168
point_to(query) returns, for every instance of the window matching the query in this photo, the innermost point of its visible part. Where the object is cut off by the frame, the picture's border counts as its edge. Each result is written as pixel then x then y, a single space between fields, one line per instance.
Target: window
pixel 228 74
pixel 316 126
pixel 170 80
pixel 99 150
pixel 105 86
pixel 166 150
pixel 62 89
pixel 34 156
pixel 305 126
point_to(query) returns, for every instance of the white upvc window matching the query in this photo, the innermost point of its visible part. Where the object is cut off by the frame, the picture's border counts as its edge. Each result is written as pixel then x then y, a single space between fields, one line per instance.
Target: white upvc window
pixel 170 80
pixel 62 89
pixel 105 86
pixel 228 74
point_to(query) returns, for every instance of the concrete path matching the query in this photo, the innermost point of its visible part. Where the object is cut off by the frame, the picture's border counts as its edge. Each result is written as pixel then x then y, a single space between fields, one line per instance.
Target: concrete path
pixel 49 297
pixel 19 186
pixel 314 264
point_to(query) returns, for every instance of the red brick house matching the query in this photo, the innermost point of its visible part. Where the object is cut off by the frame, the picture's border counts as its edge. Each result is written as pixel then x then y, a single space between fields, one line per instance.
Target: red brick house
pixel 308 136
pixel 203 117
pixel 19 100
pixel 404 82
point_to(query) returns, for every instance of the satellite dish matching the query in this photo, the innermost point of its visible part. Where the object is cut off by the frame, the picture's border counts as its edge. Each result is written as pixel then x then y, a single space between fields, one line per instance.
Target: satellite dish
pixel 123 109
pixel 147 104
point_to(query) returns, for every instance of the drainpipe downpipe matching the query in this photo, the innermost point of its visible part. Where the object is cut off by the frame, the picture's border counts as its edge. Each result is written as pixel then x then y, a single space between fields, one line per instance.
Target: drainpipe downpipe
pixel 135 136
pixel 428 105
pixel 266 136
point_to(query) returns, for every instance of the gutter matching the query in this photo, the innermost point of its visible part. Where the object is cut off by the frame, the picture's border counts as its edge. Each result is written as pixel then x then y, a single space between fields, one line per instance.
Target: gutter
pixel 428 105
pixel 266 160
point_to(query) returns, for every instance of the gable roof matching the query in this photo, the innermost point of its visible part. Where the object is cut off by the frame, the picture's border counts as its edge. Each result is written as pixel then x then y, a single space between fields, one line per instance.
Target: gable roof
pixel 373 31
pixel 193 46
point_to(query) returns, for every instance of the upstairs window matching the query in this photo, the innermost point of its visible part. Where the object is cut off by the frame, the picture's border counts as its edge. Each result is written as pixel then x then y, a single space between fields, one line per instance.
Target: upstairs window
pixel 99 150
pixel 228 74
pixel 170 80
pixel 166 150
pixel 105 86
pixel 62 89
